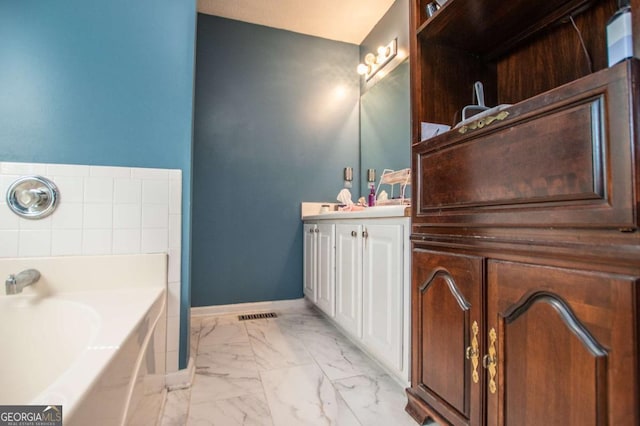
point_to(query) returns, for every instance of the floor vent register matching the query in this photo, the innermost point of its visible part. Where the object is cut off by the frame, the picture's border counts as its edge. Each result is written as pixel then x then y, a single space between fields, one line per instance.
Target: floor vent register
pixel 257 316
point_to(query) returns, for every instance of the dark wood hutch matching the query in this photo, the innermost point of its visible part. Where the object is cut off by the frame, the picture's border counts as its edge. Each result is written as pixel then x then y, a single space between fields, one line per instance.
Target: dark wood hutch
pixel 525 233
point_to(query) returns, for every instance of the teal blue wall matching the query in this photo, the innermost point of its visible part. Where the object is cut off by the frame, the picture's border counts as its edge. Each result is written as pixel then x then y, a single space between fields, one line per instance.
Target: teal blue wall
pixel 394 24
pixel 385 117
pixel 276 121
pixel 101 83
pixel 385 127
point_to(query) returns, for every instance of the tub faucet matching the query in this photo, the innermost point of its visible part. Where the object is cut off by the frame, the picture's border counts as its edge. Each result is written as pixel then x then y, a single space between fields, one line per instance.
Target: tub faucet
pixel 15 283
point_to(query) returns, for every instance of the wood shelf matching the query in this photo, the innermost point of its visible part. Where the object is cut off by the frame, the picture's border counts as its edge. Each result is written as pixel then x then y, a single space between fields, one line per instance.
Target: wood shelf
pixel 548 54
pixel 494 26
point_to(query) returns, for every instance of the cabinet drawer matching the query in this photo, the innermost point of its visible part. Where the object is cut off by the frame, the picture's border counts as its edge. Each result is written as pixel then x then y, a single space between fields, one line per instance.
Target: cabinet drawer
pixel 562 158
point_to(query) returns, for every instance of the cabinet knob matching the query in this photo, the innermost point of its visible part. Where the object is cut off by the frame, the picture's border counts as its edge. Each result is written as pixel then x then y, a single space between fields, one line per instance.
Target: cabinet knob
pixel 311 231
pixel 354 234
pixel 471 352
pixel 316 230
pixel 365 234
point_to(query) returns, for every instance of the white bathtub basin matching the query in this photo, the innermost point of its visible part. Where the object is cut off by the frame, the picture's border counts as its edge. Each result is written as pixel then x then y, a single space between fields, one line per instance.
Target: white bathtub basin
pixel 86 337
pixel 46 336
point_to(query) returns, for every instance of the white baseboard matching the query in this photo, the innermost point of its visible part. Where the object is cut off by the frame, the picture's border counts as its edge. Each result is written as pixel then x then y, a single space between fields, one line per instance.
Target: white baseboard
pixel 181 379
pixel 256 307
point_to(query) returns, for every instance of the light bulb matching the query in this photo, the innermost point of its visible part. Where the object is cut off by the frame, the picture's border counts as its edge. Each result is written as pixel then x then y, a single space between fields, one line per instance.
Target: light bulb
pixel 362 69
pixel 370 59
pixel 383 51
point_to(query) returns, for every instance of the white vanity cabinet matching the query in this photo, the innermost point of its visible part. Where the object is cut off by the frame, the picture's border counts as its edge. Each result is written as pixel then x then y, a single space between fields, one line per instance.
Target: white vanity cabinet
pixel 371 285
pixel 319 270
pixel 382 289
pixel 349 278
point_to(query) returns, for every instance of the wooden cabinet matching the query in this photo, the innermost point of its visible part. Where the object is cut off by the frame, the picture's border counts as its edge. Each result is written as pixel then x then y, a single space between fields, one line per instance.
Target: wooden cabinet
pixel 525 225
pixel 518 49
pixel 319 258
pixel 565 344
pixel 539 344
pixel 447 316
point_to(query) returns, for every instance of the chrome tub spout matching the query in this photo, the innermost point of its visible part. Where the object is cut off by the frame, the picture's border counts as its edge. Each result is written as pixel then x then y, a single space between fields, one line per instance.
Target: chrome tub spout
pixel 15 283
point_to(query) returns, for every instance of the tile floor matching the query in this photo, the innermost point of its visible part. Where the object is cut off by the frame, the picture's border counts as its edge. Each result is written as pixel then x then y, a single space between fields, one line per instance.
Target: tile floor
pixel 293 370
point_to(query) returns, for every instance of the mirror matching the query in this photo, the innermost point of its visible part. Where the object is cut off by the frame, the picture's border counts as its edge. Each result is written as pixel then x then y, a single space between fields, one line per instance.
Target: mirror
pixel 385 127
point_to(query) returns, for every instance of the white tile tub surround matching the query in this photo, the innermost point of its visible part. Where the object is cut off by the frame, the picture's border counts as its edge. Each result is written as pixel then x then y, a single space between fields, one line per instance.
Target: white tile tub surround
pixel 103 211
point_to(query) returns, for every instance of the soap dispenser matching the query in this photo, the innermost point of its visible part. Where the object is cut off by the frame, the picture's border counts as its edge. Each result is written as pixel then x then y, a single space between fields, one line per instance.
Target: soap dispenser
pixel 372 196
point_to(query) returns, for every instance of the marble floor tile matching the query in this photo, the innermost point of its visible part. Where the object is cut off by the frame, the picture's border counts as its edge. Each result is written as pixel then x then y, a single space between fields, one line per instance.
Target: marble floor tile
pixel 274 347
pixel 194 339
pixel 305 396
pixel 195 322
pixel 303 306
pixel 247 410
pixel 176 408
pixel 297 369
pixel 218 330
pixel 338 357
pixel 236 355
pixel 225 371
pixel 304 324
pixel 375 400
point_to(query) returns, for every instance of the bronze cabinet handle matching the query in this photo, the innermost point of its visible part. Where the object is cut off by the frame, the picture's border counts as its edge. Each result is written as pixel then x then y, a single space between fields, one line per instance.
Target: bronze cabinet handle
pixel 490 361
pixel 472 353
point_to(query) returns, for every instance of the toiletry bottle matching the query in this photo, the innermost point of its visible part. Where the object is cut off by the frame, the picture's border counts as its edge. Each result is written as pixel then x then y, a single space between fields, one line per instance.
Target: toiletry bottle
pixel 619 37
pixel 372 196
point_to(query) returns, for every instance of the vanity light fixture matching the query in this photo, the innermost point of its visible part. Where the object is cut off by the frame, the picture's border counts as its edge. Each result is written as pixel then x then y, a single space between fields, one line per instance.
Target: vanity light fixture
pixel 375 62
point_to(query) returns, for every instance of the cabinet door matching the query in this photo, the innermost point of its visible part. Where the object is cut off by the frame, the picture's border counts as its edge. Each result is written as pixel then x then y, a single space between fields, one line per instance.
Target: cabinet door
pixel 382 292
pixel 326 271
pixel 349 278
pixel 446 327
pixel 566 346
pixel 309 266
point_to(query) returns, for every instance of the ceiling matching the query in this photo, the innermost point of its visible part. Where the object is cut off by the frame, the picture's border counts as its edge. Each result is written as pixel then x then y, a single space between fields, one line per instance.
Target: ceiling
pixel 342 20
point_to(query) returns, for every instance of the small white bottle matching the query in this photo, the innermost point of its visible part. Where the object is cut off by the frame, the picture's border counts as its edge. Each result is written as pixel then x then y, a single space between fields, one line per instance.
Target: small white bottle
pixel 619 34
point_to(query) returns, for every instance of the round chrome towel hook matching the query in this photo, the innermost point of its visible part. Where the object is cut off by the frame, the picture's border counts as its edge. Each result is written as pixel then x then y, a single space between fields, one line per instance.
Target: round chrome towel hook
pixel 33 197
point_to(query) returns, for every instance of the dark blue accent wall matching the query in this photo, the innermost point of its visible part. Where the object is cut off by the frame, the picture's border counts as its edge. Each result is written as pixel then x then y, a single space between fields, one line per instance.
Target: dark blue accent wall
pixel 276 121
pixel 394 24
pixel 385 127
pixel 101 83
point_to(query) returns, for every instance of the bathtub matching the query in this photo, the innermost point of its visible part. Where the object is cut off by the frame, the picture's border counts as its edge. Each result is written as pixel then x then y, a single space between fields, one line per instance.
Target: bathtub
pixel 88 336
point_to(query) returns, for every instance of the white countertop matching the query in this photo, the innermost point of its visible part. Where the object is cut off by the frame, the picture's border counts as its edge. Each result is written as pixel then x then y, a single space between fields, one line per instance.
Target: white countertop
pixel 367 213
